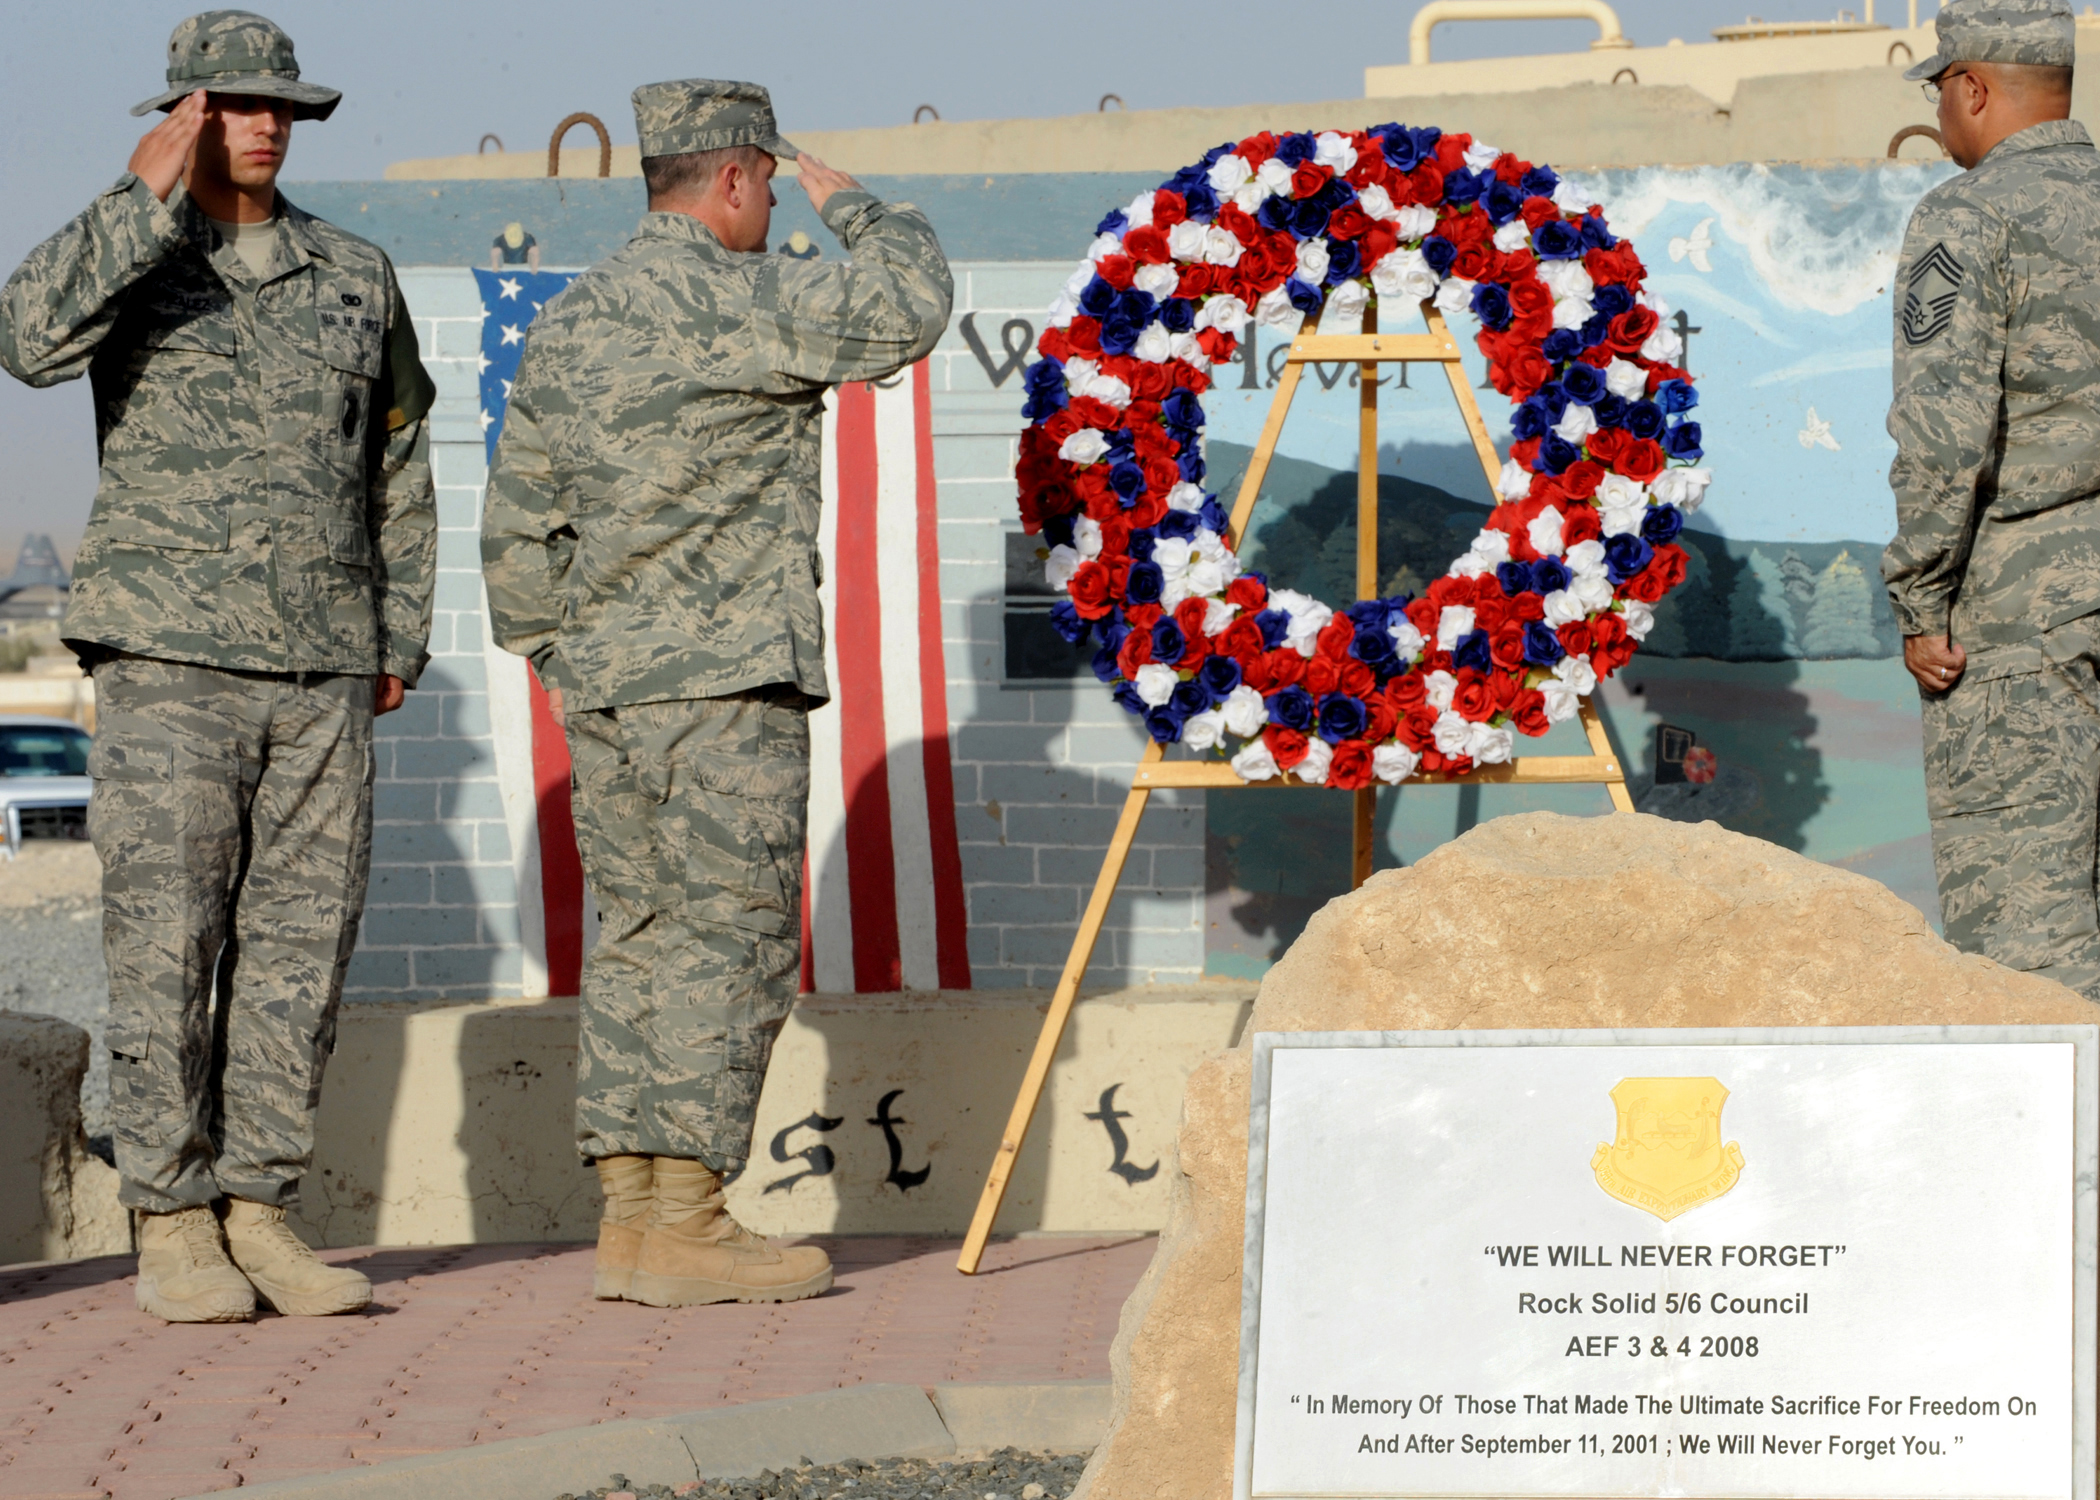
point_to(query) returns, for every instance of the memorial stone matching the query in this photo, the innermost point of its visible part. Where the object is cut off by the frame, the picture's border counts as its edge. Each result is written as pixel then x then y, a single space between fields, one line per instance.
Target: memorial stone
pixel 1540 923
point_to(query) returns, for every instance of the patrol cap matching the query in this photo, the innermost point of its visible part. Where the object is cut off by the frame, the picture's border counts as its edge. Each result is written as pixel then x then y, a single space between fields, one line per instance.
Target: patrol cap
pixel 2040 32
pixel 706 114
pixel 238 52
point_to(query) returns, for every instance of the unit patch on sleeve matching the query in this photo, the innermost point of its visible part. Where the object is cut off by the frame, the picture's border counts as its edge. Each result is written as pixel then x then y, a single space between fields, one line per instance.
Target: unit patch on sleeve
pixel 1928 300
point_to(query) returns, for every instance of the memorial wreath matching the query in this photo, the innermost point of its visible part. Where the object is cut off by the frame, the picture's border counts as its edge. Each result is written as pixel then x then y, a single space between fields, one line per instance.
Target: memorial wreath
pixel 1553 594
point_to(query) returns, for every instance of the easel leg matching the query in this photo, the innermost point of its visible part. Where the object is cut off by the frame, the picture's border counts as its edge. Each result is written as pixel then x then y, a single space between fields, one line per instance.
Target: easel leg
pixel 1053 1027
pixel 1600 744
pixel 1360 844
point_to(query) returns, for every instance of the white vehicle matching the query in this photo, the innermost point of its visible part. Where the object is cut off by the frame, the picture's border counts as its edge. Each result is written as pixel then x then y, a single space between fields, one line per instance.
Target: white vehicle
pixel 43 780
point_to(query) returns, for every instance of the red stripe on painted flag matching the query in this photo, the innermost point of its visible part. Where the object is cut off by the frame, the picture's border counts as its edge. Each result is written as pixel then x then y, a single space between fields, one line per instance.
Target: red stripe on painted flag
pixel 870 859
pixel 951 919
pixel 561 867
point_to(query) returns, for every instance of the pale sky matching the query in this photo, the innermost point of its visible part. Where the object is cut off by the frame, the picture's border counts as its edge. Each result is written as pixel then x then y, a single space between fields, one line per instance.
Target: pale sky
pixel 425 79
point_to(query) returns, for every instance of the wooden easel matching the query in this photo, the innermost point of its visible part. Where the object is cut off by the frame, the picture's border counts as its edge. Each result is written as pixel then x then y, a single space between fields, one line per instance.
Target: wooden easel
pixel 1367 350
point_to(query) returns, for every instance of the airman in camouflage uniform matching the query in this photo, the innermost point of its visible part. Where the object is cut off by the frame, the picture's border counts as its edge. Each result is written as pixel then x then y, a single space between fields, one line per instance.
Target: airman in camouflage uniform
pixel 1995 569
pixel 650 542
pixel 254 583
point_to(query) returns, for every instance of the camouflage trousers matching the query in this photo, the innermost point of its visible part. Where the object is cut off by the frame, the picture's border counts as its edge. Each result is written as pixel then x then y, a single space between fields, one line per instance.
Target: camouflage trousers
pixel 233 815
pixel 2012 781
pixel 690 816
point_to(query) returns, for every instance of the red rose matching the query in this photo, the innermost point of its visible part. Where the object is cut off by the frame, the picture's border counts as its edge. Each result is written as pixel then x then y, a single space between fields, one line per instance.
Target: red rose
pixel 1136 652
pixel 1322 676
pixel 1581 478
pixel 1335 638
pixel 1217 345
pixel 1195 282
pixel 1377 243
pixel 1417 728
pixel 1660 374
pixel 1426 182
pixel 1085 336
pixel 1468 229
pixel 1143 616
pixel 1581 525
pixel 1241 640
pixel 1148 509
pixel 1473 699
pixel 1618 266
pixel 1102 503
pixel 1383 718
pixel 1537 211
pixel 1422 614
pixel 1406 692
pixel 1056 343
pixel 1150 382
pixel 1357 679
pixel 1504 687
pixel 1284 666
pixel 1280 251
pixel 1527 711
pixel 1239 223
pixel 1116 270
pixel 1089 590
pixel 1115 535
pixel 1119 587
pixel 1646 586
pixel 1370 168
pixel 1511 267
pixel 1286 745
pixel 1168 208
pixel 1451 152
pixel 1510 168
pixel 1308 177
pixel 1257 149
pixel 1527 607
pixel 1530 309
pixel 1642 461
pixel 1525 452
pixel 1607 445
pixel 1575 638
pixel 1053 497
pixel 1506 646
pixel 1597 358
pixel 1631 329
pixel 1249 593
pixel 1198 647
pixel 1147 245
pixel 1348 223
pixel 1520 377
pixel 1351 766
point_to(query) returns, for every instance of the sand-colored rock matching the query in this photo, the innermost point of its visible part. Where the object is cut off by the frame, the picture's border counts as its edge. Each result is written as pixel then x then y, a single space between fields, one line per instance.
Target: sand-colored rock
pixel 58 1201
pixel 1530 921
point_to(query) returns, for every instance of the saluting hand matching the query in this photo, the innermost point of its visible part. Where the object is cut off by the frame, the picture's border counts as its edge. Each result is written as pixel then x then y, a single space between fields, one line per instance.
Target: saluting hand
pixel 820 181
pixel 163 153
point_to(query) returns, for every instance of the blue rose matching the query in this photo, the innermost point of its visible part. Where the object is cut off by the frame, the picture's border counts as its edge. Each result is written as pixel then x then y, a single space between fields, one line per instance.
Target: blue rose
pixel 1177 314
pixel 1212 515
pixel 1552 397
pixel 1491 305
pixel 1555 454
pixel 1106 668
pixel 1041 404
pixel 1549 574
pixel 1191 464
pixel 1561 345
pixel 1118 334
pixel 1557 239
pixel 1398 144
pixel 1611 300
pixel 1624 556
pixel 1165 723
pixel 1306 299
pixel 1057 530
pixel 1463 187
pixel 1609 410
pixel 1503 202
pixel 1542 648
pixel 1531 420
pixel 1137 306
pixel 1296 150
pixel 1676 396
pixel 1661 525
pixel 1439 252
pixel 1115 222
pixel 1292 708
pixel 1373 646
pixel 1202 200
pixel 1168 641
pixel 1181 408
pixel 1426 138
pixel 1140 545
pixel 1098 300
pixel 1274 624
pixel 1065 620
pixel 1127 695
pixel 1128 481
pixel 1147 583
pixel 1682 442
pixel 1594 332
pixel 1342 718
pixel 1583 383
pixel 1514 577
pixel 1344 260
pixel 1219 676
pixel 1644 419
pixel 1472 651
pixel 1189 698
pixel 1309 217
pixel 1180 525
pixel 1541 182
pixel 1595 235
pixel 1274 215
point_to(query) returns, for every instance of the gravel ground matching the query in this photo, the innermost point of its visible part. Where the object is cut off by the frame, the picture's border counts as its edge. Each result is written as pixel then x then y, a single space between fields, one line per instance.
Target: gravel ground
pixel 1005 1475
pixel 51 951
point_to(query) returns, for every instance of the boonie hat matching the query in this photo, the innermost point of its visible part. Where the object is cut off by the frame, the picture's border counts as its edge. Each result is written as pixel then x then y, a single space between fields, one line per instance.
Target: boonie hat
pixel 706 114
pixel 2039 32
pixel 238 52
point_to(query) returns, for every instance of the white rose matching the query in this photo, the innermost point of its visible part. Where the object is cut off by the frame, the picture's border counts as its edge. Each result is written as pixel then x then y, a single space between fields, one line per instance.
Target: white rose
pixel 1346 302
pixel 1308 617
pixel 1185 240
pixel 1245 711
pixel 1229 173
pixel 1469 565
pixel 1152 342
pixel 1452 734
pixel 1515 235
pixel 1224 312
pixel 1403 273
pixel 1204 730
pixel 1570 199
pixel 1438 687
pixel 1078 371
pixel 1683 488
pixel 1490 746
pixel 1254 763
pixel 1653 303
pixel 1454 296
pixel 1183 346
pixel 1480 156
pixel 1572 312
pixel 1407 640
pixel 1562 701
pixel 1221 247
pixel 1107 388
pixel 1063 310
pixel 1638 618
pixel 1619 518
pixel 1452 626
pixel 1593 591
pixel 1515 481
pixel 1171 556
pixel 1563 608
pixel 1544 532
pixel 1248 197
pixel 1083 447
pixel 1185 496
pixel 1664 347
pixel 1275 311
pixel 1318 755
pixel 1377 203
pixel 1274 178
pixel 1492 545
pixel 1086 536
pixel 1063 562
pixel 1392 763
pixel 1332 149
pixel 1587 557
pixel 1160 281
pixel 1155 683
pixel 1217 614
pixel 1577 673
pixel 1415 221
pixel 1312 261
pixel 1576 423
pixel 1139 213
pixel 1205 576
pixel 1626 380
pixel 1566 278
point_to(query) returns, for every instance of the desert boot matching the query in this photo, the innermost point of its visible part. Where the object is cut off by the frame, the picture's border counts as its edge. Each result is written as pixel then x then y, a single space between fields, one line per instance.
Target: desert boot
pixel 693 1251
pixel 290 1277
pixel 184 1275
pixel 627 1182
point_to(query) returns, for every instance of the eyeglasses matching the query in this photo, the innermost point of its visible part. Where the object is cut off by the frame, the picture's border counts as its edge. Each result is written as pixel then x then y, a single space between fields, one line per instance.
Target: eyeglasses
pixel 1932 85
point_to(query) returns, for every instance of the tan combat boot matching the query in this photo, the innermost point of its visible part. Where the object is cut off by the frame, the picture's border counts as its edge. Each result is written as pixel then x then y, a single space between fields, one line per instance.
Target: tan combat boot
pixel 290 1277
pixel 184 1275
pixel 627 1182
pixel 694 1252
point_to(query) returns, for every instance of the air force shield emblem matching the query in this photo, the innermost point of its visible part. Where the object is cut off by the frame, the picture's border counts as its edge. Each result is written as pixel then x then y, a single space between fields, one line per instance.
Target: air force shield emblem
pixel 1667 1155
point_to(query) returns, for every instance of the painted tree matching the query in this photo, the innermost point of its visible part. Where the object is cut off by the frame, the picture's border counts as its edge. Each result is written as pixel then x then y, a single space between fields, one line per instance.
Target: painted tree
pixel 1841 619
pixel 1760 622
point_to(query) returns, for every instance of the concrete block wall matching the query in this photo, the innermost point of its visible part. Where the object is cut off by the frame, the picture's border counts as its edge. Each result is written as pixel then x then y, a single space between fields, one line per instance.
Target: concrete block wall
pixel 442 917
pixel 1040 771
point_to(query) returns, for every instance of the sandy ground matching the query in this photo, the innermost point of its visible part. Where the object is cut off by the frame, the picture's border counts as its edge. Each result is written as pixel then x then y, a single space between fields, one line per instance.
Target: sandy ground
pixel 51 951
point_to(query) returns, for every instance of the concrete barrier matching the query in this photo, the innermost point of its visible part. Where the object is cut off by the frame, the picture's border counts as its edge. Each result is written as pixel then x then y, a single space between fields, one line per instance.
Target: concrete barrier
pixel 444 1123
pixel 58 1201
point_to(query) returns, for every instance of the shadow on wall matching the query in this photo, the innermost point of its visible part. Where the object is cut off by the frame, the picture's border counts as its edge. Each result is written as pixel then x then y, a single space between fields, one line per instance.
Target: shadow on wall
pixel 1273 859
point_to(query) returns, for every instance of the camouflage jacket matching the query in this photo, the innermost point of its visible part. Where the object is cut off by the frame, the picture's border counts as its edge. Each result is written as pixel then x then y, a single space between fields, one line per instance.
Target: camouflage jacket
pixel 651 525
pixel 1997 396
pixel 265 500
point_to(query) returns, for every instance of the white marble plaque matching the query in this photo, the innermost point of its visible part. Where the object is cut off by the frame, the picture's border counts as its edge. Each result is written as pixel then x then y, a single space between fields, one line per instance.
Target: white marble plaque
pixel 1839 1263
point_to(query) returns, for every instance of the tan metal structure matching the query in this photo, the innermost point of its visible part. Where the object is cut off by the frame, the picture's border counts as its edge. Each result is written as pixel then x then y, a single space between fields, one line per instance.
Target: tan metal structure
pixel 1154 771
